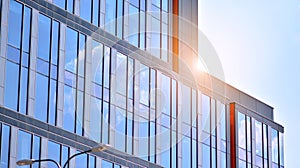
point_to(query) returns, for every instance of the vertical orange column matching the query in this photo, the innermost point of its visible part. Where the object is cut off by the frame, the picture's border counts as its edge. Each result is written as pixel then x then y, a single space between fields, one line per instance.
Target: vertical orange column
pixel 175 35
pixel 232 136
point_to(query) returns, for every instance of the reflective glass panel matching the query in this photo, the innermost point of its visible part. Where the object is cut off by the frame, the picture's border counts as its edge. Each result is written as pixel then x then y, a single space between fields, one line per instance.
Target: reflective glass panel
pixel 120 129
pixel 53 153
pixel 144 84
pixel 11 85
pixel 60 3
pixel 23 90
pixel 44 26
pixel 36 148
pixel 86 10
pixel 26 29
pixel 71 50
pixel 41 101
pixel 5 144
pixel 110 16
pixel 14 23
pixel 69 109
pixel 81 160
pixel 24 145
pixel 95 119
pixel 186 152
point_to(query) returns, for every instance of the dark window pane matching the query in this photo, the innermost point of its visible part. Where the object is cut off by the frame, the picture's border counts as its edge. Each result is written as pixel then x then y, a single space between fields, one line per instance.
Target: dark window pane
pixel 86 9
pixel 26 29
pixel 11 85
pixel 13 54
pixel 53 153
pixel 69 108
pixel 110 16
pixel 5 144
pixel 52 102
pixel 44 37
pixel 71 50
pixel 24 145
pixel 96 12
pixel 41 97
pixel 14 23
pixel 55 42
pixel 23 90
pixel 60 3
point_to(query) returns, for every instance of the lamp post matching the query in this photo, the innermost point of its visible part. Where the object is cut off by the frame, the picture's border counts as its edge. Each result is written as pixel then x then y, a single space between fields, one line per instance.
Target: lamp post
pixel 31 161
pixel 97 148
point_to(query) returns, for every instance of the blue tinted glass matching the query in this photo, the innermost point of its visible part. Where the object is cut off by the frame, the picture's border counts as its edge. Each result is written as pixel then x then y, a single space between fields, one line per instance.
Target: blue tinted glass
pixel 121 74
pixel 120 19
pixel 165 4
pixel 69 108
pixel 81 56
pixel 55 42
pixel 25 59
pixel 129 132
pixel 92 161
pixel 110 16
pixel 194 153
pixel 81 160
pixel 5 143
pixel 205 113
pixel 95 119
pixel 165 89
pixel 274 142
pixel 105 128
pixel 186 105
pixel 144 84
pixel 133 25
pixel 86 9
pixel 13 54
pixel 205 156
pixel 156 2
pixel 64 155
pixel 41 101
pixel 97 57
pixel 134 2
pixel 155 37
pixel 11 85
pixel 60 3
pixel 23 90
pixel 42 66
pixel 36 150
pixel 143 5
pixel 14 23
pixel 120 129
pixel 186 152
pixel 96 12
pixel 53 153
pixel 26 29
pixel 53 73
pixel 44 37
pixel 52 102
pixel 165 159
pixel 106 67
pixel 106 164
pixel 24 145
pixel 142 29
pixel 70 6
pixel 79 113
pixel 71 50
pixel 130 77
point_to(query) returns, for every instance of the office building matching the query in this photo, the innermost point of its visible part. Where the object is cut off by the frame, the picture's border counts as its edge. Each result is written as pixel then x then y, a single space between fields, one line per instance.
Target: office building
pixel 77 73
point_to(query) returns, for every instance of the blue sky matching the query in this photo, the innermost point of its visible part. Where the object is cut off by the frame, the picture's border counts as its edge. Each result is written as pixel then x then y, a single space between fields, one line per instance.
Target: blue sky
pixel 258 44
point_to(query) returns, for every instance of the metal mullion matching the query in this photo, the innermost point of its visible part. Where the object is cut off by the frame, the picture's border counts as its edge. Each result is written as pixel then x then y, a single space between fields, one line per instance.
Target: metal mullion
pixel 77 63
pixel 57 73
pixel 92 12
pixel 0 139
pixel 109 89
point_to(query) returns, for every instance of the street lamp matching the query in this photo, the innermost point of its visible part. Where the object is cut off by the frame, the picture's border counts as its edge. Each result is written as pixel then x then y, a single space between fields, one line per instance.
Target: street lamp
pixel 31 161
pixel 97 148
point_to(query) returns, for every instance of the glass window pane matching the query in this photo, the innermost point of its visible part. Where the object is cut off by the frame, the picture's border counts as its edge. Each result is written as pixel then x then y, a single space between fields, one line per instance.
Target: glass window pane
pixel 36 150
pixel 64 154
pixel 106 164
pixel 110 16
pixel 120 129
pixel 14 23
pixel 130 77
pixel 241 130
pixel 86 9
pixel 105 128
pixel 96 12
pixel 206 113
pixel 53 153
pixel 41 97
pixel 69 109
pixel 24 145
pixel 11 85
pixel 144 84
pixel 71 50
pixel 23 90
pixel 106 67
pixel 70 6
pixel 81 56
pixel 81 160
pixel 205 156
pixel 26 29
pixel 97 57
pixel 258 130
pixel 186 152
pixel 95 119
pixel 55 42
pixel 79 113
pixel 165 97
pixel 186 105
pixel 121 74
pixel 274 142
pixel 133 25
pixel 92 161
pixel 60 3
pixel 281 151
pixel 52 102
pixel 5 144
pixel 13 54
pixel 120 19
pixel 44 26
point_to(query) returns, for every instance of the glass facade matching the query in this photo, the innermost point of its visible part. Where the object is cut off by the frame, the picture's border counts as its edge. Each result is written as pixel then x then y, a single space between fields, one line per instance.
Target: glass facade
pixel 58 74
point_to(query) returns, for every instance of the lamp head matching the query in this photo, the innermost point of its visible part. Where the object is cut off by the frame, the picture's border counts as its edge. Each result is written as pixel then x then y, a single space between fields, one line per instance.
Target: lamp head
pixel 100 147
pixel 25 162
